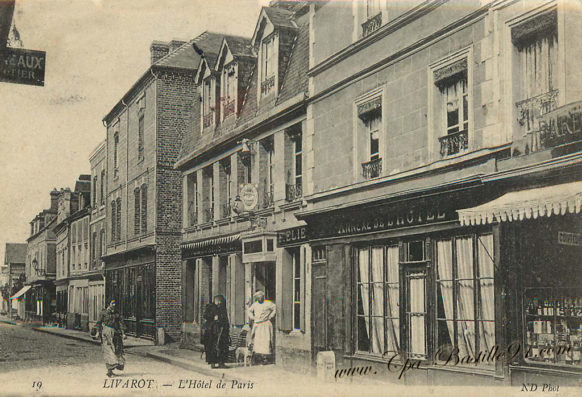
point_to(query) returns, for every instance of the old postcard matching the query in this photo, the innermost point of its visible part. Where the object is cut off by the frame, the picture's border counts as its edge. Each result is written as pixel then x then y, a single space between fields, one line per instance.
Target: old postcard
pixel 264 197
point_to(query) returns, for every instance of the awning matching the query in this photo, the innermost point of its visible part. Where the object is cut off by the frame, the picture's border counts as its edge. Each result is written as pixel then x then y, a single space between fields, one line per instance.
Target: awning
pixel 211 242
pixel 526 204
pixel 21 292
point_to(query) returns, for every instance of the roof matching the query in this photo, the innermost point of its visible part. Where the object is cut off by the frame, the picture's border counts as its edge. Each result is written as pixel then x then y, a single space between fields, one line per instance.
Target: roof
pixel 280 17
pixel 208 46
pixel 15 253
pixel 239 46
pixel 294 83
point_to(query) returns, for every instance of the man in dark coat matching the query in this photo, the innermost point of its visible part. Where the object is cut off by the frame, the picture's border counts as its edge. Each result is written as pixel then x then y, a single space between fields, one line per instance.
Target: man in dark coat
pixel 216 332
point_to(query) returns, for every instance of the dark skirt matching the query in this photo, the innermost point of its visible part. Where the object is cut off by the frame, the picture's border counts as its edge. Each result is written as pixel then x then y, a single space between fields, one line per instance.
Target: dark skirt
pixel 216 341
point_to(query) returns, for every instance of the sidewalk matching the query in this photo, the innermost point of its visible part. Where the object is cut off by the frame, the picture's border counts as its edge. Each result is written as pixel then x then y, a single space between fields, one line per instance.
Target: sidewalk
pixel 84 336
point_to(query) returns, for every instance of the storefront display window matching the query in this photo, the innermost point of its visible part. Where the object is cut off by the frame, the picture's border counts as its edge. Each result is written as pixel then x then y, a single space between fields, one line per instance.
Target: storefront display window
pixel 553 325
pixel 465 296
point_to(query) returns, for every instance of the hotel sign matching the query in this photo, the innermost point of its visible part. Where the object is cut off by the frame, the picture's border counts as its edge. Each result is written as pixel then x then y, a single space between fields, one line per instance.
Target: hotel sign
pixel 562 125
pixel 22 66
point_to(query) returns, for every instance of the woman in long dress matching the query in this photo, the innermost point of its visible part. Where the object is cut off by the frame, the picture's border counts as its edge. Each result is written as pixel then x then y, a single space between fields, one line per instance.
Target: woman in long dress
pixel 112 332
pixel 216 332
pixel 261 313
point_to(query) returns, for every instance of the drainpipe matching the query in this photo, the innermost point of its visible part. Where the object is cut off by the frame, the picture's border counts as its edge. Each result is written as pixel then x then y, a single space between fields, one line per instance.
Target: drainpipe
pixel 126 172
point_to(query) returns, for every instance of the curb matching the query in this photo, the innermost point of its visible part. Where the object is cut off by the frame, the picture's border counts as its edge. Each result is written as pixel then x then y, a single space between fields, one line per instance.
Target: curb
pixel 76 337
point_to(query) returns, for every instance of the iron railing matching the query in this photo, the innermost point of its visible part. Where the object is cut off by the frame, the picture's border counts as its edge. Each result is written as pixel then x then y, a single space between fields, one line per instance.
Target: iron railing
pixel 454 143
pixel 372 168
pixel 268 85
pixel 229 108
pixel 371 25
pixel 293 192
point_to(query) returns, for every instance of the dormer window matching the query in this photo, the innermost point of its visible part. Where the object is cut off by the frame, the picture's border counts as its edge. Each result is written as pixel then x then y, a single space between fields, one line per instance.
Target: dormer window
pixel 208 103
pixel 229 90
pixel 268 66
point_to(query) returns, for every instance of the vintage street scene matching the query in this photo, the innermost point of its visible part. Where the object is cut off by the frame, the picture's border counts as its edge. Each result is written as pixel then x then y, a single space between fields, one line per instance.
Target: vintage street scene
pixel 285 197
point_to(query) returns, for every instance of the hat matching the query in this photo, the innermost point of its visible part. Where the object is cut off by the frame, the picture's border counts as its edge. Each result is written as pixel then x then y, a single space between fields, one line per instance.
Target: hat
pixel 260 293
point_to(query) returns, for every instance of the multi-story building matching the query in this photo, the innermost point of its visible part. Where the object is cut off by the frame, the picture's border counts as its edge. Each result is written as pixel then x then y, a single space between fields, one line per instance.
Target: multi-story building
pixel 243 168
pixel 40 299
pixel 97 232
pixel 443 145
pixel 143 191
pixel 14 263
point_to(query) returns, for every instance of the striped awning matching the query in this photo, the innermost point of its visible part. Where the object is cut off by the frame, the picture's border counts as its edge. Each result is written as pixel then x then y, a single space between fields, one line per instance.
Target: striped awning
pixel 526 204
pixel 211 242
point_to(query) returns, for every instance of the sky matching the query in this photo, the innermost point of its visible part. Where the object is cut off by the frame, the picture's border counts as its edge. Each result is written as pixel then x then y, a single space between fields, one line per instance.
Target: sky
pixel 95 51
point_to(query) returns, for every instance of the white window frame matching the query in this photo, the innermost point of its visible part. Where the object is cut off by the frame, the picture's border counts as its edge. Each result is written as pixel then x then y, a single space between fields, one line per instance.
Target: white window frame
pixel 359 127
pixel 208 101
pixel 360 15
pixel 436 116
pixel 229 89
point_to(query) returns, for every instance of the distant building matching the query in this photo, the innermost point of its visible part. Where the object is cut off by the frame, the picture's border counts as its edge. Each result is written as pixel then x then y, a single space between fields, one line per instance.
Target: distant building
pixel 40 299
pixel 143 191
pixel 13 270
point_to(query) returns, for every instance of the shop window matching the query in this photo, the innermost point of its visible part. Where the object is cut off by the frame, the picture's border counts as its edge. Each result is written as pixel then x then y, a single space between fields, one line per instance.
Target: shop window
pixel 296 288
pixel 378 318
pixel 369 134
pixel 318 254
pixel 465 297
pixel 268 66
pixel 536 71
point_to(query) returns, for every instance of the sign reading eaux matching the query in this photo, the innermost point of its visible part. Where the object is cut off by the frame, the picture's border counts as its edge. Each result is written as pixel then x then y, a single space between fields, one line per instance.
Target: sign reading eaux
pixel 22 66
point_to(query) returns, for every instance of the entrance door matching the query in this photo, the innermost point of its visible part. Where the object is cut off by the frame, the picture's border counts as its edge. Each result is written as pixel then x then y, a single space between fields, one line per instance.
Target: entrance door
pixel 139 304
pixel 264 278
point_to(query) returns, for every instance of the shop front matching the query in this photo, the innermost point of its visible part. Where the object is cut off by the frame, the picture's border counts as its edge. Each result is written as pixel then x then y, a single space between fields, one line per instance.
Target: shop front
pixel 41 301
pixel 130 279
pixel 397 284
pixel 541 252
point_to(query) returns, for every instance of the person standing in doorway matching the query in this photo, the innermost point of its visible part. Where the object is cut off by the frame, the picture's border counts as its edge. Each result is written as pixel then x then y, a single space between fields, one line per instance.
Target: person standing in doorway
pixel 216 333
pixel 261 313
pixel 112 332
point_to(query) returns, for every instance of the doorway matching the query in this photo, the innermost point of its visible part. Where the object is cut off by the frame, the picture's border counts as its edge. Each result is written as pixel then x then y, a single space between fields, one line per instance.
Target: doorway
pixel 264 278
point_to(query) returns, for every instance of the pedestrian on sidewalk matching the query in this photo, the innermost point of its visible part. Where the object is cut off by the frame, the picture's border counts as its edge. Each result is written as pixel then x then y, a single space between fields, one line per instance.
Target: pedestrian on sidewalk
pixel 261 313
pixel 112 333
pixel 216 332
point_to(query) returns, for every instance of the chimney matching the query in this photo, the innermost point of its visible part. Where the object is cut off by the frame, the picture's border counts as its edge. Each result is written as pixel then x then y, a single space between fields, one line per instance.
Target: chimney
pixel 54 199
pixel 158 50
pixel 175 44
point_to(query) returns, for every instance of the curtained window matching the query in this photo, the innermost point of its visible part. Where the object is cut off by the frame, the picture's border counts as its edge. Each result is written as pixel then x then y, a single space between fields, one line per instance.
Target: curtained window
pixel 378 299
pixel 465 296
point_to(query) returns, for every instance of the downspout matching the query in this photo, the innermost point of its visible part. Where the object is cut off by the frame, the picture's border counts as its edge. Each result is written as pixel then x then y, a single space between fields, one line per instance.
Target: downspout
pixel 126 173
pixel 155 107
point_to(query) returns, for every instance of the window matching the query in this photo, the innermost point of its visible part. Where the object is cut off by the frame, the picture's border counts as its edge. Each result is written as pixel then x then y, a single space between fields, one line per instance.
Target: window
pixel 536 71
pixel 113 220
pixel 140 131
pixel 294 188
pixel 268 150
pixel 115 153
pixel 268 66
pixel 229 92
pixel 296 263
pixel 137 209
pixel 465 296
pixel 101 187
pixel 208 174
pixel 144 209
pixel 208 103
pixel 94 189
pixel 452 105
pixel 373 17
pixel 225 188
pixel 118 219
pixel 192 182
pixel 102 244
pixel 378 311
pixel 370 136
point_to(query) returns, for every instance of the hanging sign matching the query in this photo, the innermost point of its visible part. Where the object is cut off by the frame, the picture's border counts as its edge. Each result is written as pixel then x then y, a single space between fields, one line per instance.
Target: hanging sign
pixel 22 66
pixel 249 196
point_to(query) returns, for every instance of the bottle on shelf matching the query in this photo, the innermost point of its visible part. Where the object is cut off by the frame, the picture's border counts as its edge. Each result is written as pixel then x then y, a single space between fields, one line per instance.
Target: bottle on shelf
pixel 539 307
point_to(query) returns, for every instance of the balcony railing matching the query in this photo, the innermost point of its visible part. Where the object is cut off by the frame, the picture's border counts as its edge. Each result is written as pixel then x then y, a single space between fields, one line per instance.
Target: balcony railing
pixel 268 199
pixel 372 168
pixel 226 211
pixel 208 119
pixel 371 25
pixel 454 143
pixel 209 214
pixel 529 110
pixel 229 108
pixel 267 85
pixel 293 192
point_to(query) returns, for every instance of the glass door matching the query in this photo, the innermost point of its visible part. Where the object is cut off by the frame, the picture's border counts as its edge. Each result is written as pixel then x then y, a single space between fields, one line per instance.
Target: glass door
pixel 416 313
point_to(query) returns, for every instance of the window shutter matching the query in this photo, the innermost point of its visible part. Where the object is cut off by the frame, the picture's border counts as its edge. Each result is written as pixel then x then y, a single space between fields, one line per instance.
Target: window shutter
pixel 118 219
pixel 113 220
pixel 144 208
pixel 137 207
